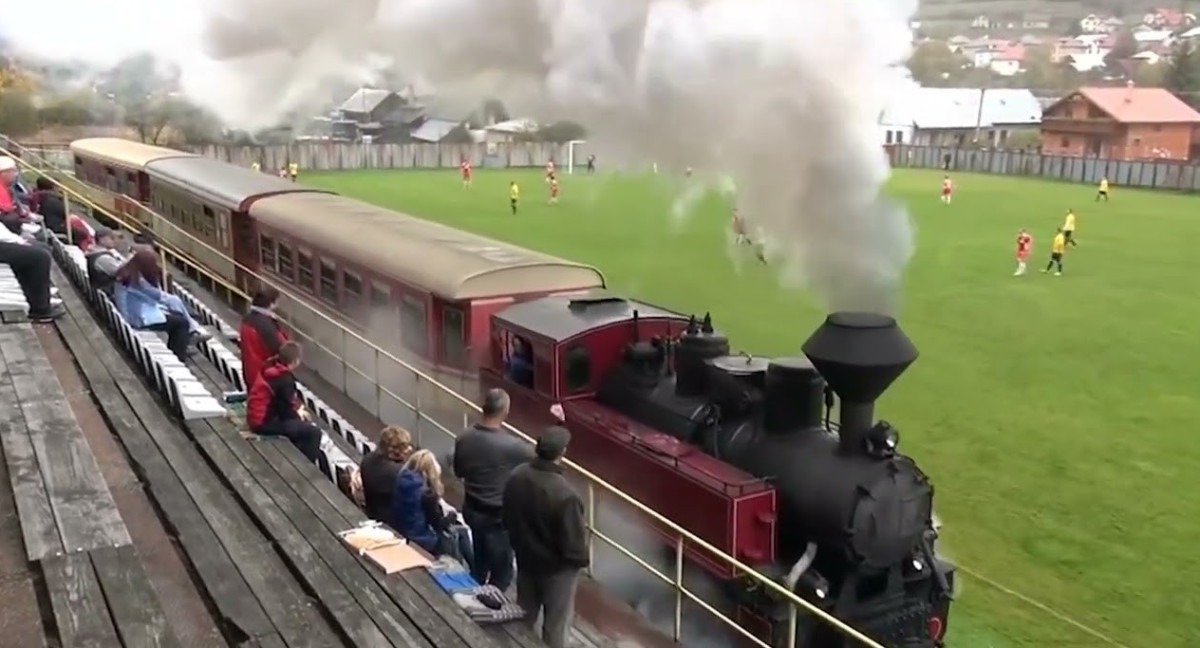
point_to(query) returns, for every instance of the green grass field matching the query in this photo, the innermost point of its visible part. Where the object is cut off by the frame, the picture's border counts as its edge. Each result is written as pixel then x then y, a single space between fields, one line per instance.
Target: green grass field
pixel 1054 414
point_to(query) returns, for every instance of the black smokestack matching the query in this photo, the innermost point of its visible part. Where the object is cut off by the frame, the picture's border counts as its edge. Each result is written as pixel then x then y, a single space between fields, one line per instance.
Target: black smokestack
pixel 859 355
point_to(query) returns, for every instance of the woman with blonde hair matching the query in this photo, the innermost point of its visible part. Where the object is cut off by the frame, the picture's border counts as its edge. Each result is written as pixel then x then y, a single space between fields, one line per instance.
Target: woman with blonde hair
pixel 375 480
pixel 417 510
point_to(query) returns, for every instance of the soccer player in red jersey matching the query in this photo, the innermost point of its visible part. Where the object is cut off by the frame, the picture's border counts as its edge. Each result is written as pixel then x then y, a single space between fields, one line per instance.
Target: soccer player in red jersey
pixel 1024 247
pixel 947 189
pixel 550 171
pixel 465 168
pixel 553 190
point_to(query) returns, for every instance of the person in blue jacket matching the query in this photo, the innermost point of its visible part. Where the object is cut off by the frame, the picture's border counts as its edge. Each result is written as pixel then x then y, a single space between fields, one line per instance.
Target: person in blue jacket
pixel 143 304
pixel 417 512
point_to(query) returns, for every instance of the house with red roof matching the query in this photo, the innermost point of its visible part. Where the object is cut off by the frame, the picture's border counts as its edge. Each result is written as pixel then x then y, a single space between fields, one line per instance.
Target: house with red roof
pixel 1120 123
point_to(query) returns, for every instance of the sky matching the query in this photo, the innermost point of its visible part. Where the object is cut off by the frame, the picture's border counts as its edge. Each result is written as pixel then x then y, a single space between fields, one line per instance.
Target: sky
pixel 105 31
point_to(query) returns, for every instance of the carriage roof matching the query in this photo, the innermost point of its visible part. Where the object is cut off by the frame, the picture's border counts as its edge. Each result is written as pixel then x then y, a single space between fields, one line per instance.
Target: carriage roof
pixel 124 153
pixel 447 262
pixel 228 185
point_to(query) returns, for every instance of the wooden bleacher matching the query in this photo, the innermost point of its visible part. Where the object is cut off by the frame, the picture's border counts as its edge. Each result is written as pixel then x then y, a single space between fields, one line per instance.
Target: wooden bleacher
pixel 70 530
pixel 256 521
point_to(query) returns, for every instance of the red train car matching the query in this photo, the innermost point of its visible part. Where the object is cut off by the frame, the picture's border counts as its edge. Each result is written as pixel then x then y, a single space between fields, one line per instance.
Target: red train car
pixel 573 342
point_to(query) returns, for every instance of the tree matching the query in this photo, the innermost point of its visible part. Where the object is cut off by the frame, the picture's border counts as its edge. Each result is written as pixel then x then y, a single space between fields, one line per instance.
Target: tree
pixel 562 131
pixel 18 115
pixel 67 111
pixel 933 64
pixel 458 135
pixel 1150 75
pixel 157 120
pixel 1183 73
pixel 1124 46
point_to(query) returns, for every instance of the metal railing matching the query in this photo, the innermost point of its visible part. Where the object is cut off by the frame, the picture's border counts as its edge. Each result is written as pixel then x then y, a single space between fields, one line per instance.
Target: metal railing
pixel 424 412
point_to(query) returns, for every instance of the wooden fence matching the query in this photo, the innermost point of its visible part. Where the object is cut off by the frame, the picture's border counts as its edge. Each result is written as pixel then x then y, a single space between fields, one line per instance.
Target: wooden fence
pixel 1179 176
pixel 336 156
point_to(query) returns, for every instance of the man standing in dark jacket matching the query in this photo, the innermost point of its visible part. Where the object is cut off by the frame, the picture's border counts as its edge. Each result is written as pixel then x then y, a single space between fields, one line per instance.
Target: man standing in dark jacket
pixel 484 457
pixel 545 520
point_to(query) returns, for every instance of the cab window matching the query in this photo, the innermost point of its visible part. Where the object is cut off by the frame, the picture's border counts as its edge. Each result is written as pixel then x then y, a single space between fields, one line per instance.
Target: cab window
pixel 577 369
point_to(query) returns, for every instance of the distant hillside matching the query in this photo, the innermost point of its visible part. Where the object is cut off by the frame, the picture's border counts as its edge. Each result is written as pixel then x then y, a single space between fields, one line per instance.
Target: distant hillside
pixel 955 9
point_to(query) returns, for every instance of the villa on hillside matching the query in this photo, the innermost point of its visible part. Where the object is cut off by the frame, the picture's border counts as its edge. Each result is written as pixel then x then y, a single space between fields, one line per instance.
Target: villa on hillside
pixel 1123 123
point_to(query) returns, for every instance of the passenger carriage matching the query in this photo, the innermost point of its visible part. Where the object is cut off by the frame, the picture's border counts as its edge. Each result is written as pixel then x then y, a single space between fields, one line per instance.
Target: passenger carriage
pixel 211 199
pixel 118 166
pixel 421 290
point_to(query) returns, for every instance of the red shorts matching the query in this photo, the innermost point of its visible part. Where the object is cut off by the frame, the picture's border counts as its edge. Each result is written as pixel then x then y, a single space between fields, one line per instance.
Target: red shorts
pixel 1022 255
pixel 947 192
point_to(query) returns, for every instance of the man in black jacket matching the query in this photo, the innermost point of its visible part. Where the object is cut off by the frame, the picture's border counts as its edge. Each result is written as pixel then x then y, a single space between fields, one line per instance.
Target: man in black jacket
pixel 484 457
pixel 545 521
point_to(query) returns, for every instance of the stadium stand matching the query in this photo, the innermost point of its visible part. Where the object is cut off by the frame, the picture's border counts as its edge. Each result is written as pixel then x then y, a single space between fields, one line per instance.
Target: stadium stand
pixel 234 499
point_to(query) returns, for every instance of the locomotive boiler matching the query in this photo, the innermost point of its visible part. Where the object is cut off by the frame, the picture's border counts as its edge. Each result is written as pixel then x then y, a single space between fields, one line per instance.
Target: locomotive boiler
pixel 855 530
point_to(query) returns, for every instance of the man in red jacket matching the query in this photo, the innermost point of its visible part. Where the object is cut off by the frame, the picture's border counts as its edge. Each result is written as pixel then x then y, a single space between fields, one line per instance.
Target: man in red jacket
pixel 260 334
pixel 273 407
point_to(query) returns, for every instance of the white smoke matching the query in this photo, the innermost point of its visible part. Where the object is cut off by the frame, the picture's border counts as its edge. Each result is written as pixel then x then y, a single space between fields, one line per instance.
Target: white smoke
pixel 783 96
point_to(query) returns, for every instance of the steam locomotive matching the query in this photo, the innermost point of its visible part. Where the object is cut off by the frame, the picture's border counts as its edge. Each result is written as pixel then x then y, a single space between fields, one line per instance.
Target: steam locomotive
pixel 855 529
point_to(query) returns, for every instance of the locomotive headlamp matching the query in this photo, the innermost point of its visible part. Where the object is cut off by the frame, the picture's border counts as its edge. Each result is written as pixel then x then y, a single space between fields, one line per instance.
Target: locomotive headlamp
pixel 883 439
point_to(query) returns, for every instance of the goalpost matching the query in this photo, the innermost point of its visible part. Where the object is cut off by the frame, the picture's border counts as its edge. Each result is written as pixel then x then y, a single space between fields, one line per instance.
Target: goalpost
pixel 571 146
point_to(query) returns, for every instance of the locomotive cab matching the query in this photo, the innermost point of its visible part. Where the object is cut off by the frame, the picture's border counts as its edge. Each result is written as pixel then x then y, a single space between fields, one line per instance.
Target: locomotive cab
pixel 591 350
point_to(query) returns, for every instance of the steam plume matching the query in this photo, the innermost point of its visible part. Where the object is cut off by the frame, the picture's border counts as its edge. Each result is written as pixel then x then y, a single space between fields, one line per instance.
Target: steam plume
pixel 781 95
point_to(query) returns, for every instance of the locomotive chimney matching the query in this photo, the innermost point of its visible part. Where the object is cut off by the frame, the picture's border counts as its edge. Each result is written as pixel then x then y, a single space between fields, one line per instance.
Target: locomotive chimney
pixel 859 355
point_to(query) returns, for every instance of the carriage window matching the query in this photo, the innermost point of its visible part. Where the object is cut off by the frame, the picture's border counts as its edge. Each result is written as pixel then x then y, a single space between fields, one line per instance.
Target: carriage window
pixel 285 261
pixel 577 369
pixel 304 275
pixel 412 325
pixel 352 289
pixel 208 224
pixel 453 331
pixel 266 246
pixel 380 295
pixel 78 161
pixel 328 281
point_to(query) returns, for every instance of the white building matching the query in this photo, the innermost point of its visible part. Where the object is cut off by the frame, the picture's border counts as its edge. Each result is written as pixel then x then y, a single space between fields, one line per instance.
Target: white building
pixel 958 116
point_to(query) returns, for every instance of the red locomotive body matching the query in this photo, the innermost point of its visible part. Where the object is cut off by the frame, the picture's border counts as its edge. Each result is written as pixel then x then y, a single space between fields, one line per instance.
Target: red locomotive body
pixel 569 345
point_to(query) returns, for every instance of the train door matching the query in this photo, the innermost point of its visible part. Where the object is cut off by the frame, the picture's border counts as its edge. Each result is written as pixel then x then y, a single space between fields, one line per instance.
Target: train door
pixel 245 250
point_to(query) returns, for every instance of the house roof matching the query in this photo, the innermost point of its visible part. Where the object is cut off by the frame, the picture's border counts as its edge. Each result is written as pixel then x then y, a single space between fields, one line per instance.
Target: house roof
pixel 1140 105
pixel 1011 53
pixel 365 100
pixel 513 126
pixel 944 108
pixel 434 130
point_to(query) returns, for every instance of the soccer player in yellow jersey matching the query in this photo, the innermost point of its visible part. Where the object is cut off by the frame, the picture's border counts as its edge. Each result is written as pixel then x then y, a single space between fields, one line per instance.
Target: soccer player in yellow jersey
pixel 293 170
pixel 1102 192
pixel 1068 228
pixel 1057 249
pixel 256 166
pixel 514 196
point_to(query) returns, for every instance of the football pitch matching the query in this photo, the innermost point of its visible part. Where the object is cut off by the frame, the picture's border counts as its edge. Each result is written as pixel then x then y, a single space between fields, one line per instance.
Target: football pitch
pixel 1054 414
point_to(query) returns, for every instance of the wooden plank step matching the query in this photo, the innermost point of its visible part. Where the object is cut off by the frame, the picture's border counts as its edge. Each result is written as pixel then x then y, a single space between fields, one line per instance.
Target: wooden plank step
pixel 132 601
pixel 80 611
pixel 84 511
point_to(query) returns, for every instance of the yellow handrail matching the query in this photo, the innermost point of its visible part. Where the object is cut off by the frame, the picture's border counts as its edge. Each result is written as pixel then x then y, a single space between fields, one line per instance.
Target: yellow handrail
pixel 594 481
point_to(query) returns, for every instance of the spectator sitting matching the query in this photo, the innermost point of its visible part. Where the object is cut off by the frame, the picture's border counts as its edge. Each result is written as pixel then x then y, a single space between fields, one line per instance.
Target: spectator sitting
pixel 103 261
pixel 47 202
pixel 12 212
pixel 153 274
pixel 484 456
pixel 544 517
pixel 260 334
pixel 143 304
pixel 417 510
pixel 31 266
pixel 375 480
pixel 273 406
